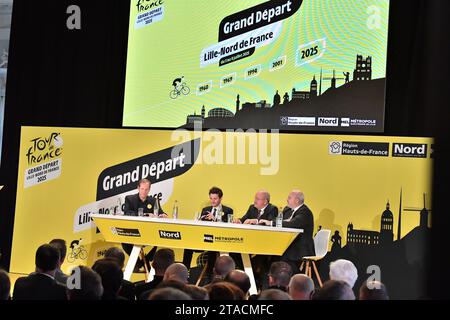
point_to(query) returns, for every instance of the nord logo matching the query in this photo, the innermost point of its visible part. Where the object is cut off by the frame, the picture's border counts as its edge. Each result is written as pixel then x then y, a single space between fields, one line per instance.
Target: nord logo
pixel 330 122
pixel 409 150
pixel 175 235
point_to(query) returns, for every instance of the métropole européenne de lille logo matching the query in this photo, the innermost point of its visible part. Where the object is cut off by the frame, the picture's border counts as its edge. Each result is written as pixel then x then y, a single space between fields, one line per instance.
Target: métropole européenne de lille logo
pixel 45 148
pixel 211 239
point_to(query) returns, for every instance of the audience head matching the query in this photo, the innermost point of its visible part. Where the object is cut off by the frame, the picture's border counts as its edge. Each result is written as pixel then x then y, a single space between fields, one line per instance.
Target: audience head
pixel 274 294
pixel 47 259
pixel 373 290
pixel 168 294
pixel 343 270
pixel 334 290
pixel 196 293
pixel 279 275
pixel 223 265
pixel 61 245
pixel 90 286
pixel 162 260
pixel 112 276
pixel 225 291
pixel 116 254
pixel 5 286
pixel 240 279
pixel 177 272
pixel 300 287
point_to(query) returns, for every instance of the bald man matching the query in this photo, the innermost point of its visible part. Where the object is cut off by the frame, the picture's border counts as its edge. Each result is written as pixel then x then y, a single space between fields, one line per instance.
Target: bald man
pixel 301 287
pixel 261 211
pixel 177 272
pixel 297 215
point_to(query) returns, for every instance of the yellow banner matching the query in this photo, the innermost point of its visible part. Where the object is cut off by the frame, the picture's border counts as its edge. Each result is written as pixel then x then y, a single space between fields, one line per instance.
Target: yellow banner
pixel 65 174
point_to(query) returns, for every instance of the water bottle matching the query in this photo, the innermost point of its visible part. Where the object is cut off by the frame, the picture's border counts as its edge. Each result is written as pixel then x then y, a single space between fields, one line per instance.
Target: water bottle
pixel 119 207
pixel 279 220
pixel 175 210
pixel 156 208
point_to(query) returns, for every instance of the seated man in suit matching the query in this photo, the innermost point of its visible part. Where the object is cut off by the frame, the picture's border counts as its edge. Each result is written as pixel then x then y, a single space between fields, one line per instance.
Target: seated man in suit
pixel 146 204
pixel 298 215
pixel 210 213
pixel 261 212
pixel 142 200
pixel 41 285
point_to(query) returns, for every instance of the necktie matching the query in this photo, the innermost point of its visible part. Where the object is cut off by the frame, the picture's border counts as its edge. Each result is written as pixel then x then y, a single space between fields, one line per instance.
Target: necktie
pixel 214 214
pixel 292 214
pixel 261 211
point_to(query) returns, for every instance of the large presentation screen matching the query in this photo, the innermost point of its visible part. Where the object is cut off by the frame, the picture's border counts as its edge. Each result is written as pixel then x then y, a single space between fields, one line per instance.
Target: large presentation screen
pixel 311 65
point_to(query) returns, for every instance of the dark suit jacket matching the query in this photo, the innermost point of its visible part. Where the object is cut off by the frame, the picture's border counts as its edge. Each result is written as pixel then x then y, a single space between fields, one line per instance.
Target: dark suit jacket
pixel 127 290
pixel 143 290
pixel 38 287
pixel 61 278
pixel 303 245
pixel 226 211
pixel 132 203
pixel 270 213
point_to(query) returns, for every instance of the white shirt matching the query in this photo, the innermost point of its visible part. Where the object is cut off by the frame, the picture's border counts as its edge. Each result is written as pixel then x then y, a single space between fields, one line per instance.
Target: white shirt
pixel 216 213
pixel 261 211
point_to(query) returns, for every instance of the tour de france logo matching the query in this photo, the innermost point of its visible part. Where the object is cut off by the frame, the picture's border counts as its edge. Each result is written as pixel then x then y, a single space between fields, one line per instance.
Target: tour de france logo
pixel 45 148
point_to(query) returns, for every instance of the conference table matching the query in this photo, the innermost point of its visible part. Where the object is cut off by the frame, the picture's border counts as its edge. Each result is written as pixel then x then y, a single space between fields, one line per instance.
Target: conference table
pixel 196 235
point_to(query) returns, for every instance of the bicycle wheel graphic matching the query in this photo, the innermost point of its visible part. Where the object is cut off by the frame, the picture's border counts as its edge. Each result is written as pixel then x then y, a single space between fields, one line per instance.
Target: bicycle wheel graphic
pixel 174 94
pixel 185 90
pixel 82 254
pixel 71 257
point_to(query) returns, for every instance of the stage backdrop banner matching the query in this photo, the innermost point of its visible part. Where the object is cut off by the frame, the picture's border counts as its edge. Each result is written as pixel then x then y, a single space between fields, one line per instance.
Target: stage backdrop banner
pixel 310 65
pixel 372 192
